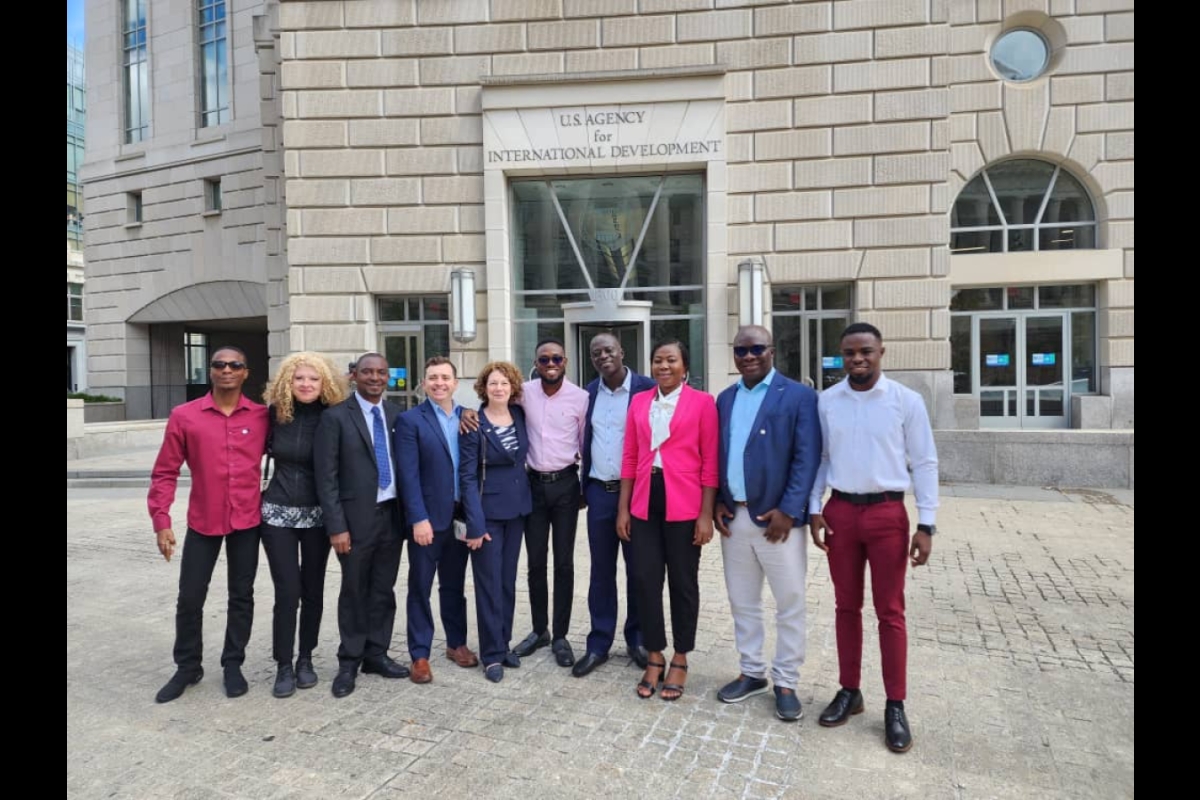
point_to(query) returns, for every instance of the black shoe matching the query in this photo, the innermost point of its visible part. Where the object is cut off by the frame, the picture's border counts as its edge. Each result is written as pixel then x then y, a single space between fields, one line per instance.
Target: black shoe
pixel 175 687
pixel 494 672
pixel 740 688
pixel 563 653
pixel 586 664
pixel 532 643
pixel 639 655
pixel 511 660
pixel 845 703
pixel 895 730
pixel 306 676
pixel 235 682
pixel 285 681
pixel 385 666
pixel 343 683
pixel 787 704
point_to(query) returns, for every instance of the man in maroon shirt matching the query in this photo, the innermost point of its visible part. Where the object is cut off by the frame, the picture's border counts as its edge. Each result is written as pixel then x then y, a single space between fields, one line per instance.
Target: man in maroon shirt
pixel 222 437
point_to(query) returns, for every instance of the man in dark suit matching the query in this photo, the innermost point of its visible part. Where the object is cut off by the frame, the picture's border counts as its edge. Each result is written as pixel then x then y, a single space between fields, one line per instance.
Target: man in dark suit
pixel 355 468
pixel 769 453
pixel 603 444
pixel 428 436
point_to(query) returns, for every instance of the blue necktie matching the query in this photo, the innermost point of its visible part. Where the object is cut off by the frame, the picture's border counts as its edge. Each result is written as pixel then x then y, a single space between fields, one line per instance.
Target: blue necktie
pixel 381 454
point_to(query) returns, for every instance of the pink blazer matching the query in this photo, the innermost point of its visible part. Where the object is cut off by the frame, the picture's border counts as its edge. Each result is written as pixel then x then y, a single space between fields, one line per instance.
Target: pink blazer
pixel 689 456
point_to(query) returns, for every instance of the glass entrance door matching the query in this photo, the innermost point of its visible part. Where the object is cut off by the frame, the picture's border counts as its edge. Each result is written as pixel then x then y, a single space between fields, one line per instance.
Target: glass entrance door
pixel 1020 363
pixel 628 334
pixel 997 369
pixel 405 355
pixel 1043 355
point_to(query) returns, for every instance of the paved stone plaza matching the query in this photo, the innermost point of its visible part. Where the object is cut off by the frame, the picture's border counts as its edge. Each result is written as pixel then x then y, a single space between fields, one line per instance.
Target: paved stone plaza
pixel 1020 683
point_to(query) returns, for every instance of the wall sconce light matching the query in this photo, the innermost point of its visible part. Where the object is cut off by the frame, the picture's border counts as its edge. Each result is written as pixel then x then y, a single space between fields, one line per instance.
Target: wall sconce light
pixel 462 305
pixel 751 274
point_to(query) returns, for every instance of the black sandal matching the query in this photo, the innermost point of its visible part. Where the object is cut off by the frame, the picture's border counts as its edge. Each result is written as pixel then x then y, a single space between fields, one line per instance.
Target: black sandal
pixel 675 687
pixel 661 666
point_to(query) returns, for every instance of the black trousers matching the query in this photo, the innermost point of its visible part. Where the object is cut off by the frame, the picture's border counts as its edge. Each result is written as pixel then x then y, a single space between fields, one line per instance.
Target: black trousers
pixel 555 505
pixel 200 554
pixel 297 557
pixel 665 547
pixel 367 601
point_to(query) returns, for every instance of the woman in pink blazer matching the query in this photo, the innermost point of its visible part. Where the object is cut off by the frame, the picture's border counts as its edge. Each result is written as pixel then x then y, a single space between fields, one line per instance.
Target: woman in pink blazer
pixel 668 486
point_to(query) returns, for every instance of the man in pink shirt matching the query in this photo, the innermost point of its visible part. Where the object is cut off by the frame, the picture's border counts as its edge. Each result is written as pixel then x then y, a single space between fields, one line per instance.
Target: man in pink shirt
pixel 222 437
pixel 556 415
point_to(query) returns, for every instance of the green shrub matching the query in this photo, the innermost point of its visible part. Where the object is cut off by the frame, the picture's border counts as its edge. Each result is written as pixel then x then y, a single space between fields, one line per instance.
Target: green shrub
pixel 92 398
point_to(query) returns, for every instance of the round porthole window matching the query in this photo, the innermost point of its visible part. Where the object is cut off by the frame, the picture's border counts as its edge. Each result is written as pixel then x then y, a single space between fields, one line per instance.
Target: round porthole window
pixel 1020 55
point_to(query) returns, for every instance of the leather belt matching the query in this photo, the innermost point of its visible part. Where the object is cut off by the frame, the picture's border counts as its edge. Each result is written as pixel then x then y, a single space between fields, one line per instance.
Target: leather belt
pixel 656 471
pixel 868 499
pixel 551 477
pixel 609 486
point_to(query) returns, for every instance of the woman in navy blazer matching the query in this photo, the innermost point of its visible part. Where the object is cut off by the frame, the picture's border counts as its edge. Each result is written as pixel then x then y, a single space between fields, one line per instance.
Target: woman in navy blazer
pixel 494 456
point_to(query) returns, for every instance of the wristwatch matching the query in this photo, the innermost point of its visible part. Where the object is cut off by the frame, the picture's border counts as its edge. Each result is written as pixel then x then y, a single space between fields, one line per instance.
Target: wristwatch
pixel 930 529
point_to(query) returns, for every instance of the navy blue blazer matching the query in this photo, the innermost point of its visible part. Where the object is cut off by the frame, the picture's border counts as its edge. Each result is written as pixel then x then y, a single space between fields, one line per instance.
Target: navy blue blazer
pixel 426 467
pixel 637 383
pixel 782 453
pixel 506 493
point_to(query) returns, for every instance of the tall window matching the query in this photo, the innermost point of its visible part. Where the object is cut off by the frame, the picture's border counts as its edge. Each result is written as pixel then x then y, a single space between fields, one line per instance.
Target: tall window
pixel 76 117
pixel 214 64
pixel 137 73
pixel 74 302
pixel 641 236
pixel 1019 206
pixel 808 324
pixel 411 330
pixel 195 355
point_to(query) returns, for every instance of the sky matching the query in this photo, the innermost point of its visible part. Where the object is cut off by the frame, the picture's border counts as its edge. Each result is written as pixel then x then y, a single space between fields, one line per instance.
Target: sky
pixel 75 23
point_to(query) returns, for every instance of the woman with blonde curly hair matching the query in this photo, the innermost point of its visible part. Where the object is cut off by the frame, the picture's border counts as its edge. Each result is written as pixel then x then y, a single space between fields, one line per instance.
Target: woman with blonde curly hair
pixel 293 532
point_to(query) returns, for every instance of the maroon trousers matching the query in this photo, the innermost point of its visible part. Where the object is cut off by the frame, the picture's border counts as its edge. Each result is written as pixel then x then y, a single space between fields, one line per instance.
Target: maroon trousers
pixel 878 535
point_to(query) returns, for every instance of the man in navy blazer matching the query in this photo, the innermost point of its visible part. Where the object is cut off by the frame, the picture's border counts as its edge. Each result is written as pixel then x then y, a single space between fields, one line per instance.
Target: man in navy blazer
pixel 428 437
pixel 769 453
pixel 603 444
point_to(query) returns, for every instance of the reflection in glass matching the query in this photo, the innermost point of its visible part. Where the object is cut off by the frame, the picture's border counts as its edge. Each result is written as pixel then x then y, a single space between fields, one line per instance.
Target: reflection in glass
pixel 788 353
pixel 1020 187
pixel 960 353
pixel 1020 55
pixel 1081 237
pixel 991 404
pixel 990 299
pixel 997 352
pixel 974 207
pixel 1078 295
pixel 1068 201
pixel 977 241
pixel 1020 296
pixel 835 297
pixel 1083 351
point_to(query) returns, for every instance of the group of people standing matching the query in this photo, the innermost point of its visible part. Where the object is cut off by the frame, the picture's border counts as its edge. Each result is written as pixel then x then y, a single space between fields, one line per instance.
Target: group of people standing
pixel 657 464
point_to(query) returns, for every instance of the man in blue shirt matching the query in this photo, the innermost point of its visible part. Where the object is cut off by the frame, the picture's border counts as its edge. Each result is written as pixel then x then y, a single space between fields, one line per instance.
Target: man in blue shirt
pixel 769 454
pixel 428 437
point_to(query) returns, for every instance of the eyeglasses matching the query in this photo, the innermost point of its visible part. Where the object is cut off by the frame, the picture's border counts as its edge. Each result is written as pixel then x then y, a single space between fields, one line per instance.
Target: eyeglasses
pixel 236 366
pixel 547 360
pixel 756 349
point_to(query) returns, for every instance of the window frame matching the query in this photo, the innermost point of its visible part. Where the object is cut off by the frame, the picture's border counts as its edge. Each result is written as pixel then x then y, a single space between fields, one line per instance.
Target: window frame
pixel 135 121
pixel 1037 226
pixel 222 112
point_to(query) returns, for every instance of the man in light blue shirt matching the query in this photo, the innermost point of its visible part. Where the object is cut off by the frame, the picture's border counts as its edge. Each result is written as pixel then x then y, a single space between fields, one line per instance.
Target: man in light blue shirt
pixel 428 437
pixel 769 455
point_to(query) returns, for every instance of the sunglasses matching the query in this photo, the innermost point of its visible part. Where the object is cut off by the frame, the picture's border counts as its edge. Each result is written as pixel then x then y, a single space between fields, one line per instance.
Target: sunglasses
pixel 547 360
pixel 755 349
pixel 236 366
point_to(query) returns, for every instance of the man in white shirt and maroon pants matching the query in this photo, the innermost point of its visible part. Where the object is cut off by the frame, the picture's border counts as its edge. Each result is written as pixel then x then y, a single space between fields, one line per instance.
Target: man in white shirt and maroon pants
pixel 874 431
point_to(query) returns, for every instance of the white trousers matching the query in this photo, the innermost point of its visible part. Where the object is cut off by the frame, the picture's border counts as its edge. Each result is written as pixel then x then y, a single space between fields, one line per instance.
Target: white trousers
pixel 748 557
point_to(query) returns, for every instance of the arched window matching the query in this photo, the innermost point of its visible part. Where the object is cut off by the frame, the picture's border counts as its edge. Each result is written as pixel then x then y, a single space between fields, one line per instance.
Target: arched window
pixel 1022 206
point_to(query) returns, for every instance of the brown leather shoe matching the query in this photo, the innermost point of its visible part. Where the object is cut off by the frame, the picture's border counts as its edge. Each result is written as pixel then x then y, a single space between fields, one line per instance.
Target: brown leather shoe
pixel 462 656
pixel 421 673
